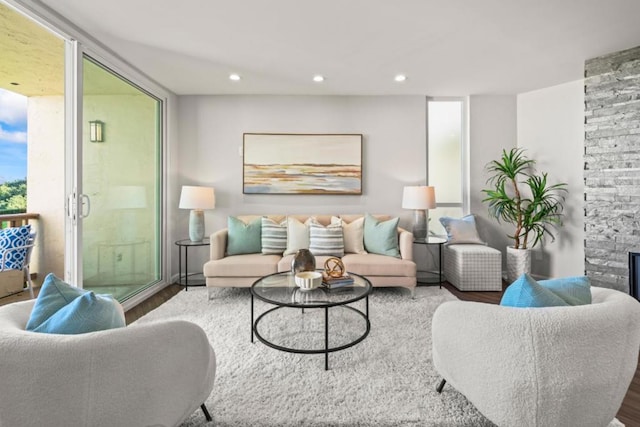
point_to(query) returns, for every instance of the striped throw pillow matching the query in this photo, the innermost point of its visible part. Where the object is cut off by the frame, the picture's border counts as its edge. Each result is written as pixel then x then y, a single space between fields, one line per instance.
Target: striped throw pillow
pixel 274 236
pixel 327 240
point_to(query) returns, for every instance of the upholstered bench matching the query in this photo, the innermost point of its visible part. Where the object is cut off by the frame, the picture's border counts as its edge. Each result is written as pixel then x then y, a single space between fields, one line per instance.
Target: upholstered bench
pixel 473 267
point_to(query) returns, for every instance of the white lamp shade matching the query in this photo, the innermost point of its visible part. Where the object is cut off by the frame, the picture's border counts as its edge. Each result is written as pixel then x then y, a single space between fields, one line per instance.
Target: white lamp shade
pixel 419 197
pixel 193 197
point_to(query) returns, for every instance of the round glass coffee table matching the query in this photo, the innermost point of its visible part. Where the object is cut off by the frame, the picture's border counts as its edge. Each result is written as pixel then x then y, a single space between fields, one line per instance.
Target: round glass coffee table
pixel 294 330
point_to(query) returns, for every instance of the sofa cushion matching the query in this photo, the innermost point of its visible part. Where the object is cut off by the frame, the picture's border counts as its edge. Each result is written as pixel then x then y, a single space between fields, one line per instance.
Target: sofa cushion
pixel 526 292
pixel 297 235
pixel 461 230
pixel 284 264
pixel 326 240
pixel 353 235
pixel 378 265
pixel 274 236
pixel 381 237
pixel 244 238
pixel 247 265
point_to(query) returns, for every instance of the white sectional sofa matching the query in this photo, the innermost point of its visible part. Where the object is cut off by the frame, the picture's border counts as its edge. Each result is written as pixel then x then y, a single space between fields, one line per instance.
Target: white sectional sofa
pixel 243 270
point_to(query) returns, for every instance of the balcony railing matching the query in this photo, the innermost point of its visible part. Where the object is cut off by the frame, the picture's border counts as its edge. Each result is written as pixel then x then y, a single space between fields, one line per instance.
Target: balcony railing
pixel 17 220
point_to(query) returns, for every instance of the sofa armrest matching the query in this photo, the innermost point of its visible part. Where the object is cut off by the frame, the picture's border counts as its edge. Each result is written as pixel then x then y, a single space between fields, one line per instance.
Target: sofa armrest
pixel 218 244
pixel 405 243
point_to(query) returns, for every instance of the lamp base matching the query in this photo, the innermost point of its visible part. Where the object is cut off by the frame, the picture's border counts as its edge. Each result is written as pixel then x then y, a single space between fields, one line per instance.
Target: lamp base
pixel 419 224
pixel 196 225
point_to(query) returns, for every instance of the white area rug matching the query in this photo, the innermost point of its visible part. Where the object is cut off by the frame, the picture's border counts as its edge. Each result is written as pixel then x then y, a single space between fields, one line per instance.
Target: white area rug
pixel 386 380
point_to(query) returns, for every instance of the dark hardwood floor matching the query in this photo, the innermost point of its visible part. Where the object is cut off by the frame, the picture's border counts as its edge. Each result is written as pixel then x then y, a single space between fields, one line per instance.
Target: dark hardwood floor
pixel 629 412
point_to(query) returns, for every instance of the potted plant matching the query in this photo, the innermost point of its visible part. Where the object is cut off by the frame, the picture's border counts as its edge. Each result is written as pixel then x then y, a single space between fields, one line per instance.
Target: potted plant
pixel 524 198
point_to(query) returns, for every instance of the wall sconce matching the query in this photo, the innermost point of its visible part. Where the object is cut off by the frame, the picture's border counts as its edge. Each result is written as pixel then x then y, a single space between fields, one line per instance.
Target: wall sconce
pixel 96 131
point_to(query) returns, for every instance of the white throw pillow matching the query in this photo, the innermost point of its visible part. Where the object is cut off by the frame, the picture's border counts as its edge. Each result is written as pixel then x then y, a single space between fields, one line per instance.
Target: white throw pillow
pixel 353 234
pixel 297 235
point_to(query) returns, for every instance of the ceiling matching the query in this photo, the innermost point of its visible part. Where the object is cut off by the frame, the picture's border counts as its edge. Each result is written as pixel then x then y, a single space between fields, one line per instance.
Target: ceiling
pixel 454 47
pixel 32 58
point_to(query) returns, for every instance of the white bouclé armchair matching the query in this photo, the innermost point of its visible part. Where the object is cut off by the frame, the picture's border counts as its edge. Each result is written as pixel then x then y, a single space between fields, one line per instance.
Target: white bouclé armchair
pixel 152 374
pixel 552 366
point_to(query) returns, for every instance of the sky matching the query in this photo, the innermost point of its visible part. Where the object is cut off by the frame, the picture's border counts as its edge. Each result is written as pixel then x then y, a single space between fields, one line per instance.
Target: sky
pixel 13 136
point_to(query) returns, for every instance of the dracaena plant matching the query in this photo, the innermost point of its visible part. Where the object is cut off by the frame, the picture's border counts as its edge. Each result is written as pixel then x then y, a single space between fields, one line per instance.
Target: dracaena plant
pixel 523 198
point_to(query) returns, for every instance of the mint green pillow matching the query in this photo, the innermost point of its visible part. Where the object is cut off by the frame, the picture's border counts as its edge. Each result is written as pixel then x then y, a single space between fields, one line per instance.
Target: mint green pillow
pixel 244 238
pixel 54 294
pixel 381 237
pixel 573 290
pixel 526 292
pixel 87 313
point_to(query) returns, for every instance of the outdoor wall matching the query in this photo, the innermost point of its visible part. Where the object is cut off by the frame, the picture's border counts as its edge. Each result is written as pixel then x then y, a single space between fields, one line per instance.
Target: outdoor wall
pixel 119 240
pixel 45 181
pixel 210 135
pixel 612 166
pixel 492 128
pixel 551 130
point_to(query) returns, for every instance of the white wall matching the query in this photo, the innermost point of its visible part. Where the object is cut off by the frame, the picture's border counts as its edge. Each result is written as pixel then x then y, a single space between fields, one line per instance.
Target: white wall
pixel 551 129
pixel 210 136
pixel 492 128
pixel 45 180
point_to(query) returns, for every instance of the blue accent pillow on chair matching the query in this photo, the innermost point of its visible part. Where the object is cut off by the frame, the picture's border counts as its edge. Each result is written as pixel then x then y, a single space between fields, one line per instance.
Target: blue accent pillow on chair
pixel 14 237
pixel 573 290
pixel 87 313
pixel 526 292
pixel 59 309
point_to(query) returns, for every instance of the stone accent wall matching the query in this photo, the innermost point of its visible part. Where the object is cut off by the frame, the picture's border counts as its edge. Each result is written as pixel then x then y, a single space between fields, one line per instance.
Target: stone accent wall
pixel 612 166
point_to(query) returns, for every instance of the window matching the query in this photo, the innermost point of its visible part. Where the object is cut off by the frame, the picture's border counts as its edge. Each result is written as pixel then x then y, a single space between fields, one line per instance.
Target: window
pixel 446 153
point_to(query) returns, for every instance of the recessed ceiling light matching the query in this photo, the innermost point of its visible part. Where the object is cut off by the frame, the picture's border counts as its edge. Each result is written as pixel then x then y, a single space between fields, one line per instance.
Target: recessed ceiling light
pixel 318 78
pixel 235 77
pixel 400 78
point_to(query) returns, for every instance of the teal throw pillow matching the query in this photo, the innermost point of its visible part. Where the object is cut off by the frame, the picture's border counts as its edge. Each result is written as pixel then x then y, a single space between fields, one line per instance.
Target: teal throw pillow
pixel 54 294
pixel 381 237
pixel 573 290
pixel 526 292
pixel 244 238
pixel 87 313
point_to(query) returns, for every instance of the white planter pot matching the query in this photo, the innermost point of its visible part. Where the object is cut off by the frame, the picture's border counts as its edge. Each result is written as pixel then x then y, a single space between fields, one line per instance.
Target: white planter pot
pixel 518 263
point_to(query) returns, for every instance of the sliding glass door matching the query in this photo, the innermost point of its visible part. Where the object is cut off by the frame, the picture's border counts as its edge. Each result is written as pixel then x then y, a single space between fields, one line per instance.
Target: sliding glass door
pixel 121 168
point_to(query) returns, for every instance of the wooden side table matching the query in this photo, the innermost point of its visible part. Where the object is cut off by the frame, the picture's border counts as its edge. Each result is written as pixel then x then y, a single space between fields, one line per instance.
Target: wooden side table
pixel 183 277
pixel 433 240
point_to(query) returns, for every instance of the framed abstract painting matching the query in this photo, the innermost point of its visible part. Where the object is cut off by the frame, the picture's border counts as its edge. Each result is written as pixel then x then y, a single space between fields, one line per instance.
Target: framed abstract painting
pixel 302 163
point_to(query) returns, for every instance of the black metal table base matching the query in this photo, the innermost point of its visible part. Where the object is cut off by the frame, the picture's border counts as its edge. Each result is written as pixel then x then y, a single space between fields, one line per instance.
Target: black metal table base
pixel 326 350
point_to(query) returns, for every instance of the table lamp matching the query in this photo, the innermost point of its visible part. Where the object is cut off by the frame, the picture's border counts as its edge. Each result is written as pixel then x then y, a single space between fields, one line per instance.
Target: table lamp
pixel 197 199
pixel 419 198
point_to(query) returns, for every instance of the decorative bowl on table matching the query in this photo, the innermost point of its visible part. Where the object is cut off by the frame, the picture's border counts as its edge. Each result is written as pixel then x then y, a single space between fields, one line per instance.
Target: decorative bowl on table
pixel 307 280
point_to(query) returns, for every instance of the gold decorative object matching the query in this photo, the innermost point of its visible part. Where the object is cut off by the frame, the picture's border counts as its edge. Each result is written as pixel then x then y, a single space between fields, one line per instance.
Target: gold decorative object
pixel 334 267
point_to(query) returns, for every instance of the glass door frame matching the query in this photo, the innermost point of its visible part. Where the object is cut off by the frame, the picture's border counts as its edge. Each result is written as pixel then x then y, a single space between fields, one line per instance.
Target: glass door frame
pixel 77 43
pixel 76 205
